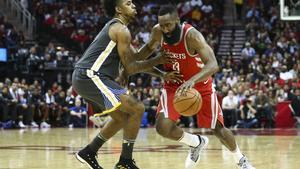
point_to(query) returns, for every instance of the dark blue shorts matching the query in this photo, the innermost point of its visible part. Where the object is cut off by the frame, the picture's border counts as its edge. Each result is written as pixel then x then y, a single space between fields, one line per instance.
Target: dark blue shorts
pixel 100 91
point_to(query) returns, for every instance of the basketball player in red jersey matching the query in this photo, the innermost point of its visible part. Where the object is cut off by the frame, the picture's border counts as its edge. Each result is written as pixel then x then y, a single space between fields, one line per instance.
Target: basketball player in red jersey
pixel 196 62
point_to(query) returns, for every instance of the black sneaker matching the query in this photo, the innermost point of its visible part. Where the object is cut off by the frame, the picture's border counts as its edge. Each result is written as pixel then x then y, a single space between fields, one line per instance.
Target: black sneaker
pixel 126 164
pixel 88 157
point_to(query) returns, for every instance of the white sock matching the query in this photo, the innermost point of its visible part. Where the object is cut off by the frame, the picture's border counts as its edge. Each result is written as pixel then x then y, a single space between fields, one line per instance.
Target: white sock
pixel 237 154
pixel 189 139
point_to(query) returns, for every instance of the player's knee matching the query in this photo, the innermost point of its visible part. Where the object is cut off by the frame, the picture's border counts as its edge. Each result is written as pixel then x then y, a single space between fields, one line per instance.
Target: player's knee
pixel 141 107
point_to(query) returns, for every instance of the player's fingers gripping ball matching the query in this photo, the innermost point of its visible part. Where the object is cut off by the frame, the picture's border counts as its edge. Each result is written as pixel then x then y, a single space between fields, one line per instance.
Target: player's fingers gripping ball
pixel 188 103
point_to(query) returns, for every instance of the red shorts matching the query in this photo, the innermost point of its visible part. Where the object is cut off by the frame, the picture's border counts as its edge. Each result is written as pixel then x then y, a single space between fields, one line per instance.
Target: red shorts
pixel 207 117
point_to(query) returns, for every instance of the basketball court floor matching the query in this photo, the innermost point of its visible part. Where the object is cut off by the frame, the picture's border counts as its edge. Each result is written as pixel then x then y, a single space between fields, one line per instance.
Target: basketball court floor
pixel 55 148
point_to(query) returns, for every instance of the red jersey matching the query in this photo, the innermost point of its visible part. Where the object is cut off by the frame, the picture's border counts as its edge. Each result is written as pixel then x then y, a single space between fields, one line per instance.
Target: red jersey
pixel 185 63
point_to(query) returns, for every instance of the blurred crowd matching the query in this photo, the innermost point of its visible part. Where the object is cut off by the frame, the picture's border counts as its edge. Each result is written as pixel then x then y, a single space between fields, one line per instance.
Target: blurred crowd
pixel 10 38
pixel 24 104
pixel 269 70
pixel 248 90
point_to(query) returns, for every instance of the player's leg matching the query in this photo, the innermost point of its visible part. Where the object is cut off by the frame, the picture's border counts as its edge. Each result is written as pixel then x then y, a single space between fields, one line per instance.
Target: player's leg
pixel 166 127
pixel 134 111
pixel 211 117
pixel 128 116
pixel 104 97
pixel 227 139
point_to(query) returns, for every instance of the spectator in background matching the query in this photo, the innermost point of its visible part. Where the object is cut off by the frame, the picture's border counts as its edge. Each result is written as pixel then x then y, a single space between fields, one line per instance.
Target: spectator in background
pixel 264 110
pixel 51 108
pixel 248 53
pixel 247 114
pixel 253 13
pixel 38 107
pixel 295 104
pixel 238 7
pixel 230 107
pixel 63 109
pixel 80 37
pixel 143 35
pixel 17 107
pixel 78 115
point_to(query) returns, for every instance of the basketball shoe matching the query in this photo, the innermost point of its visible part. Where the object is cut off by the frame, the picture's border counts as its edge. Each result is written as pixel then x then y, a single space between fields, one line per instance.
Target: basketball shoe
pixel 193 157
pixel 244 164
pixel 99 121
pixel 126 164
pixel 88 157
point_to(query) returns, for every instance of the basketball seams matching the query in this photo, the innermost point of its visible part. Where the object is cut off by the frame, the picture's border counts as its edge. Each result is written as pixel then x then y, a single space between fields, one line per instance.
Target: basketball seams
pixel 198 98
pixel 179 100
pixel 199 103
pixel 188 105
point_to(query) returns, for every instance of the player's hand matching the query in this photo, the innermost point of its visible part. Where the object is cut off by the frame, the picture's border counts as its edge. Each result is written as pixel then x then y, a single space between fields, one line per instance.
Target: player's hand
pixel 173 76
pixel 164 58
pixel 185 87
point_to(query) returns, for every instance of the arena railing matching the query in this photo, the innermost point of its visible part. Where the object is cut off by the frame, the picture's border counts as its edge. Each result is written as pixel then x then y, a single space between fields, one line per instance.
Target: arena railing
pixel 23 16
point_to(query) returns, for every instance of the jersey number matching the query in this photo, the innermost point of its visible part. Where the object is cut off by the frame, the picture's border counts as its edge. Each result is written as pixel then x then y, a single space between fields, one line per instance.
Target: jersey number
pixel 176 66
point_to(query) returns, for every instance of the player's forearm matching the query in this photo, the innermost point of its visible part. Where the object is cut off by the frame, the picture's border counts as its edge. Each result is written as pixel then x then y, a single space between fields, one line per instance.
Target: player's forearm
pixel 208 70
pixel 210 67
pixel 142 66
pixel 143 52
pixel 156 72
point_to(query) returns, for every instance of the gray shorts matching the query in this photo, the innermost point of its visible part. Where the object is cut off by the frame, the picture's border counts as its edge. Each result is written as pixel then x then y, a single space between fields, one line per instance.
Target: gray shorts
pixel 100 91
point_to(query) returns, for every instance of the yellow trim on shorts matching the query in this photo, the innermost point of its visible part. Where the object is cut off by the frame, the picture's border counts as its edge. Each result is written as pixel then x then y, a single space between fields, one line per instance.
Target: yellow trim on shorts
pixel 109 110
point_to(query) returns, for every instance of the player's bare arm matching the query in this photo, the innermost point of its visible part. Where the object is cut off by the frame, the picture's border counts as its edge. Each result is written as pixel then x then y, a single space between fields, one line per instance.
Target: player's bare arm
pixel 197 45
pixel 154 41
pixel 120 34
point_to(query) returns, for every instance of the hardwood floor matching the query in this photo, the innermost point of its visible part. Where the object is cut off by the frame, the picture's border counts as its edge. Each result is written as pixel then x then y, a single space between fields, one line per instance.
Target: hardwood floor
pixel 55 148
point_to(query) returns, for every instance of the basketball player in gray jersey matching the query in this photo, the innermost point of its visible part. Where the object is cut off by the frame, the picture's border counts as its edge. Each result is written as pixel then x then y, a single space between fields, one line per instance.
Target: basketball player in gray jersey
pixel 94 79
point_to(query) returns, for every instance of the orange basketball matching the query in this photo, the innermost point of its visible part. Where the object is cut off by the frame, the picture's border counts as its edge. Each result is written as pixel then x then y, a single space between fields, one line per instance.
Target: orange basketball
pixel 188 104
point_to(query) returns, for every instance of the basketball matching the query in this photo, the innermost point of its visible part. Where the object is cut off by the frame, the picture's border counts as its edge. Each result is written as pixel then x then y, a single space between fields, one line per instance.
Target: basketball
pixel 188 104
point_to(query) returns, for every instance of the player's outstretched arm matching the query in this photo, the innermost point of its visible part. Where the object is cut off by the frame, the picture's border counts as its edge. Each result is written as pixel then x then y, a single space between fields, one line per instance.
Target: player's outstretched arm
pixel 173 76
pixel 122 36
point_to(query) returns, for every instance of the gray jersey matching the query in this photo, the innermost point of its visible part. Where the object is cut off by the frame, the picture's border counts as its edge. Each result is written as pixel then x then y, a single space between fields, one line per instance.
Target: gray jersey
pixel 102 55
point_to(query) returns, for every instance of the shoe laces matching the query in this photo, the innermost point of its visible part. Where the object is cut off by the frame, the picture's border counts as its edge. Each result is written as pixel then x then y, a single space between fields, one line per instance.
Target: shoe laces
pixel 243 163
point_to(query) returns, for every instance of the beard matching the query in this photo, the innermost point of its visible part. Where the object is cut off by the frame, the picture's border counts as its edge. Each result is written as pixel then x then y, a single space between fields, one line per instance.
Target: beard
pixel 174 36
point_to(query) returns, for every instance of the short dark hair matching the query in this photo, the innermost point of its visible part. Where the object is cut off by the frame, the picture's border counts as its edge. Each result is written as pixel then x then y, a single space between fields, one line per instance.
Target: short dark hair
pixel 167 9
pixel 110 7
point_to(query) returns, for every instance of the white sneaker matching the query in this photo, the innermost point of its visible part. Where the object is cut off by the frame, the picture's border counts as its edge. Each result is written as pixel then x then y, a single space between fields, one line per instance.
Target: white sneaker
pixel 45 125
pixel 34 125
pixel 21 124
pixel 244 163
pixel 193 157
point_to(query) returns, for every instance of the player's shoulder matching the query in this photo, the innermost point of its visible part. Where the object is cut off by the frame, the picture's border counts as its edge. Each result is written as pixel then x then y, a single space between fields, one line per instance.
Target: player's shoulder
pixel 118 30
pixel 193 32
pixel 193 35
pixel 156 27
